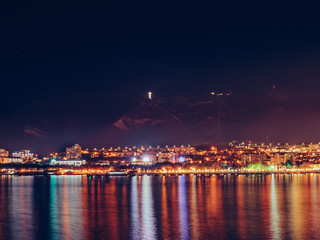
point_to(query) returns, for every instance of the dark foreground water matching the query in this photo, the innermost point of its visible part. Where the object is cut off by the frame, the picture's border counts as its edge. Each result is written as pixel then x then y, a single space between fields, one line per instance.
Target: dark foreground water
pixel 184 207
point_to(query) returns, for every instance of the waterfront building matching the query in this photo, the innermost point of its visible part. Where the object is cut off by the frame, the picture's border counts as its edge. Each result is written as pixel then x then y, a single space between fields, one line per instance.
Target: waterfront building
pixel 143 160
pixel 6 160
pixel 114 161
pixel 69 162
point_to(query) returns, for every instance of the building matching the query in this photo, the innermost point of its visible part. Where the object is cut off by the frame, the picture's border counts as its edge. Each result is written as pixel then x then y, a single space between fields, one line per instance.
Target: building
pixel 74 152
pixel 183 150
pixel 69 162
pixel 6 160
pixel 144 159
pixel 279 158
pixel 247 158
pixel 114 161
pixel 24 154
pixel 166 156
pixel 4 153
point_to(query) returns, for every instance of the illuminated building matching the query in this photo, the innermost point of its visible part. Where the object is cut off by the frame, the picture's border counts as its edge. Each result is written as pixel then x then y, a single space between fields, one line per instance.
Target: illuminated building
pixel 4 153
pixel 69 162
pixel 253 158
pixel 74 152
pixel 279 158
pixel 143 160
pixel 6 160
pixel 183 150
pixel 166 156
pixel 24 154
pixel 114 162
pixel 4 156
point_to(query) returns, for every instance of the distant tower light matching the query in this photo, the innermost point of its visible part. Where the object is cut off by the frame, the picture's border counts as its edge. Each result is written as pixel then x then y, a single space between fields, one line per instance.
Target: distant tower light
pixel 150 95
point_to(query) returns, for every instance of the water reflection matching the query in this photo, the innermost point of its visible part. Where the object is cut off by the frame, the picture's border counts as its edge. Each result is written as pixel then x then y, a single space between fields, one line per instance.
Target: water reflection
pixel 184 207
pixel 21 204
pixel 148 221
pixel 193 209
pixel 135 219
pixel 241 204
pixel 274 211
pixel 315 201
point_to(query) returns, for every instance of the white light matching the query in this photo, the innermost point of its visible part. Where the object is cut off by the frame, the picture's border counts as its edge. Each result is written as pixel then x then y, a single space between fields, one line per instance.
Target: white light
pixel 150 95
pixel 146 159
pixel 134 159
pixel 181 159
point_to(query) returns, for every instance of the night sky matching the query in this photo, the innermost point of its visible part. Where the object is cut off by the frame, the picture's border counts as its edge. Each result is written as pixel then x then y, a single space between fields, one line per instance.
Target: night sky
pixel 70 70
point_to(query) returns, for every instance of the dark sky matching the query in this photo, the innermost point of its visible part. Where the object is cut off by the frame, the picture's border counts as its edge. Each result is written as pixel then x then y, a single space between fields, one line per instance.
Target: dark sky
pixel 70 68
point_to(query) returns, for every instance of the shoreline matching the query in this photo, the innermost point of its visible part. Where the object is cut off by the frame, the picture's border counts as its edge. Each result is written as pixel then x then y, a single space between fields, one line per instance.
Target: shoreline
pixel 175 174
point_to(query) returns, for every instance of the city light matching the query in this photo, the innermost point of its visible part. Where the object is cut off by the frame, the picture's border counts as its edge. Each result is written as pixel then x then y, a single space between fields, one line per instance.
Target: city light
pixel 182 159
pixel 233 158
